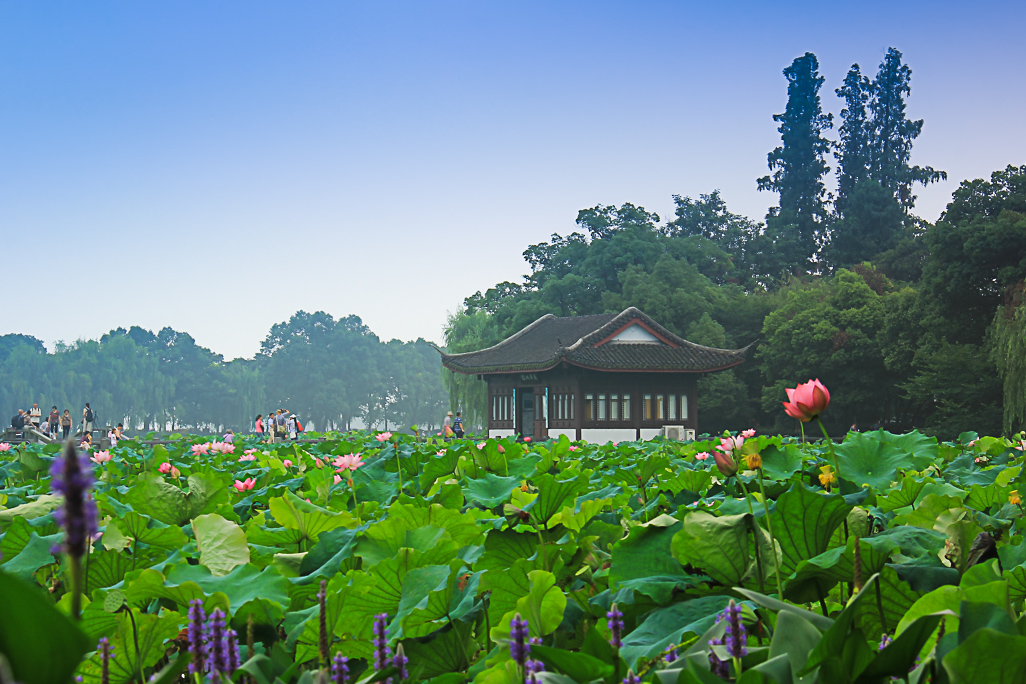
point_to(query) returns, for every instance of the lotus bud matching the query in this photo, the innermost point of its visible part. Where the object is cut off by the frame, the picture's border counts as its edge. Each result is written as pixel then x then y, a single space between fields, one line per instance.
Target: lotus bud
pixel 725 463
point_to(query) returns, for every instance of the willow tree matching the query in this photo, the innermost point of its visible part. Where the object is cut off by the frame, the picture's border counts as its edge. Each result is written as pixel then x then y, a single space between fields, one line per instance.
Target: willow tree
pixel 1010 357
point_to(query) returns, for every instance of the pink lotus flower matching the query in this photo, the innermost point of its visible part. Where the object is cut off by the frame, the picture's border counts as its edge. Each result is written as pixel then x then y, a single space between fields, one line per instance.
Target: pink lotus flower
pixel 731 444
pixel 175 473
pixel 501 449
pixel 318 462
pixel 438 434
pixel 348 462
pixel 383 437
pixel 807 400
pixel 748 434
pixel 338 478
pixel 101 457
pixel 527 439
pixel 440 452
pixel 247 457
pixel 4 446
pixel 971 444
pixel 198 449
pixel 244 485
pixel 701 456
pixel 287 463
pixel 249 451
pixel 481 445
pixel 222 447
pixel 1021 446
pixel 574 447
pixel 165 468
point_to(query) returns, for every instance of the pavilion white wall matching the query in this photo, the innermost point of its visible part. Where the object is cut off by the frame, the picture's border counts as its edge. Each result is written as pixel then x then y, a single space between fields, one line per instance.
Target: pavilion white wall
pixel 497 434
pixel 603 435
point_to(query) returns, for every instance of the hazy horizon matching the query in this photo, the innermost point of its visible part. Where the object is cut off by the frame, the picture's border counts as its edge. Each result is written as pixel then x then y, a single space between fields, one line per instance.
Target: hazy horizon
pixel 217 168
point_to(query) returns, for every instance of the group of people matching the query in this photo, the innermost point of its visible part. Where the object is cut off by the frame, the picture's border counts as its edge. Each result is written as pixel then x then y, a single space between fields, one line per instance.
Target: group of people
pixel 453 427
pixel 279 426
pixel 56 424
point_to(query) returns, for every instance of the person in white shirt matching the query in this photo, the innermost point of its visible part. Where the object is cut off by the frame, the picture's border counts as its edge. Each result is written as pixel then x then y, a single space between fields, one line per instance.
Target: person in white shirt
pixel 35 416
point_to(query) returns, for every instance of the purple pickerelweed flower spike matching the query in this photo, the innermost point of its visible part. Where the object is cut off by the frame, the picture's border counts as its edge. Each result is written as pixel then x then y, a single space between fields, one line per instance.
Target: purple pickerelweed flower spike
pixel 323 645
pixel 78 513
pixel 670 657
pixel 382 654
pixel 232 649
pixel 736 638
pixel 717 666
pixel 340 669
pixel 614 620
pixel 631 678
pixel 519 648
pixel 885 641
pixel 197 618
pixel 217 658
pixel 105 650
pixel 532 668
pixel 399 663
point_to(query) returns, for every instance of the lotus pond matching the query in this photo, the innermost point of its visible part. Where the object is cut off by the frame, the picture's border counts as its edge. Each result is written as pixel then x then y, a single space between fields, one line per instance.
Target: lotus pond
pixel 500 562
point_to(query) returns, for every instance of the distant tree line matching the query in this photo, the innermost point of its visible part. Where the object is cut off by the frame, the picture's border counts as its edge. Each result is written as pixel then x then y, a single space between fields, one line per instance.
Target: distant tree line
pixel 328 371
pixel 910 324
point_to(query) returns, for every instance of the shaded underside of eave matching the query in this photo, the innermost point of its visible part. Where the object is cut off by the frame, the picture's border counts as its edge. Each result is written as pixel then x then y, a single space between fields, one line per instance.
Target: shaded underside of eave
pixel 592 365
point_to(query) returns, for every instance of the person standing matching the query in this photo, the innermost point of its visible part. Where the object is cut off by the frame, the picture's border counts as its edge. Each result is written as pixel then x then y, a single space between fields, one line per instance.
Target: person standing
pixel 280 431
pixel 66 424
pixel 52 421
pixel 35 416
pixel 457 425
pixel 290 426
pixel 87 420
pixel 260 426
pixel 447 427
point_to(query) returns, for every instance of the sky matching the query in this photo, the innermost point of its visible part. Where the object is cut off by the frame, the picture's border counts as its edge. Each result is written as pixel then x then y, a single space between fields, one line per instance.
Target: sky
pixel 215 167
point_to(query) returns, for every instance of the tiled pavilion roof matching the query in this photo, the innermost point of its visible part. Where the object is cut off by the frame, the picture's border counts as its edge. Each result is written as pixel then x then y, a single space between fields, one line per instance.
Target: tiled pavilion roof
pixel 589 342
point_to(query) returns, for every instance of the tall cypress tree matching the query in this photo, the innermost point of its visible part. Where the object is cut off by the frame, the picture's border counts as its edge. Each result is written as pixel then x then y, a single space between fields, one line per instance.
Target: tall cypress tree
pixel 893 133
pixel 853 153
pixel 798 165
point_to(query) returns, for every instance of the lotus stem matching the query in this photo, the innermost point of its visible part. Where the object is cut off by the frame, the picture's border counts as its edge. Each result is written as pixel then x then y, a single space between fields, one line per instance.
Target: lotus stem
pixel 773 545
pixel 833 456
pixel 758 558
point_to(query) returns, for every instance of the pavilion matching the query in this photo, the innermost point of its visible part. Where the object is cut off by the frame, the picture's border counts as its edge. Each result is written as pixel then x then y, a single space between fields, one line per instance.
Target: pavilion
pixel 605 377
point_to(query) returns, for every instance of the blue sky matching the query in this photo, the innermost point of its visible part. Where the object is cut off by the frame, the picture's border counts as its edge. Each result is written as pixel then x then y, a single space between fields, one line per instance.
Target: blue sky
pixel 217 166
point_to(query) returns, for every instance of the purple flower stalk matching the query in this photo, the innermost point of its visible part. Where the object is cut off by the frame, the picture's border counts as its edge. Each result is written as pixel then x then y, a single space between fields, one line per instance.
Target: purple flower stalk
pixel 232 648
pixel 519 648
pixel 78 514
pixel 217 660
pixel 614 620
pixel 532 668
pixel 382 653
pixel 196 619
pixel 322 643
pixel 671 656
pixel 717 666
pixel 399 663
pixel 885 641
pixel 631 678
pixel 105 651
pixel 736 637
pixel 340 669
